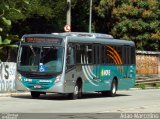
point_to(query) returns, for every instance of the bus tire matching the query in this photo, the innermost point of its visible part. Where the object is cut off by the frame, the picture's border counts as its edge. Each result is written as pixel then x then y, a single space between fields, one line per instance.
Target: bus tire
pixel 112 91
pixel 35 94
pixel 77 92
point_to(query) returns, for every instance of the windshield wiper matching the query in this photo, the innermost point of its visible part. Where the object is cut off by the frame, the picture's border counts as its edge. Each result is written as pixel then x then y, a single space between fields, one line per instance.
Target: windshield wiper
pixel 32 50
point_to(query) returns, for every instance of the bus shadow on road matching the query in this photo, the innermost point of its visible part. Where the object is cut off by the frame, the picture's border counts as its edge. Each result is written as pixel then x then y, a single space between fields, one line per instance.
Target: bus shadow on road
pixel 99 95
pixel 62 97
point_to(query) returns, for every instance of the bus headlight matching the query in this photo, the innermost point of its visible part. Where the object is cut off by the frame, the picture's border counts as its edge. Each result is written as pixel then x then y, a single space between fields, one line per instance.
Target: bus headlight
pixel 58 79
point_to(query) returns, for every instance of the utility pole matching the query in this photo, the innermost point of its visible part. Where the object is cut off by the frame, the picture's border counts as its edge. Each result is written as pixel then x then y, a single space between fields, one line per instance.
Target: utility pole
pixel 69 12
pixel 90 17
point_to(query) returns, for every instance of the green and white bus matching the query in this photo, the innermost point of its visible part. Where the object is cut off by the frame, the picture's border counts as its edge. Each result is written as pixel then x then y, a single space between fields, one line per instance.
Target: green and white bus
pixel 72 63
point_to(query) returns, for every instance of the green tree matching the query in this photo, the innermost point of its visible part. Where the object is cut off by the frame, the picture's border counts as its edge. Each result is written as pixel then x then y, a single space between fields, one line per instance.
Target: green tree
pixel 102 15
pixel 8 13
pixel 80 15
pixel 42 17
pixel 18 17
pixel 137 20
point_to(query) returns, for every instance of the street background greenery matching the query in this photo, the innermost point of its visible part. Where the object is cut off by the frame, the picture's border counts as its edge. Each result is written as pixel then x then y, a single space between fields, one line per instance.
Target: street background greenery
pixel 136 20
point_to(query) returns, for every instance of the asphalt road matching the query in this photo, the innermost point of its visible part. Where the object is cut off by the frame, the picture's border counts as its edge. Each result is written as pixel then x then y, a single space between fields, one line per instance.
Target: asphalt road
pixel 129 101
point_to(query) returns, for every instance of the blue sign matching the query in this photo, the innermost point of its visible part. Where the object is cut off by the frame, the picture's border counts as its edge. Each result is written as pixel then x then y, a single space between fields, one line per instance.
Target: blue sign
pixel 42 68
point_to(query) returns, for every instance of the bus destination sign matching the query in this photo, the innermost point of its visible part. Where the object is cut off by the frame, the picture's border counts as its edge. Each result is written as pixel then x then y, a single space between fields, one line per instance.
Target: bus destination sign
pixel 43 40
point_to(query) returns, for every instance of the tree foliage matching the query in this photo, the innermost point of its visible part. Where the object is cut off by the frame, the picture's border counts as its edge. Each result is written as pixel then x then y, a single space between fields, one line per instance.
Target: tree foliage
pixel 80 15
pixel 8 13
pixel 19 17
pixel 137 20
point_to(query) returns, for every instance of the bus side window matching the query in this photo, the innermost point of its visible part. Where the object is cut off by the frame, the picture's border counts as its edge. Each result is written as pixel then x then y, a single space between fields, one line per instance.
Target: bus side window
pixel 70 56
pixel 132 54
pixel 109 58
pixel 127 55
pixel 103 54
pixel 119 50
pixel 84 54
pixel 88 54
pixel 80 53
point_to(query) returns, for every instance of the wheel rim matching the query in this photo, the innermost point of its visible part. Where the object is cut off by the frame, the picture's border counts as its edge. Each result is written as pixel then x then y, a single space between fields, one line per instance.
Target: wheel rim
pixel 113 88
pixel 76 90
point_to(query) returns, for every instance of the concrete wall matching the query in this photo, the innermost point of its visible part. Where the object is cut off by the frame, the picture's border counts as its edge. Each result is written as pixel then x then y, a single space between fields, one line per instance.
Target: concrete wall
pixel 7 76
pixel 148 63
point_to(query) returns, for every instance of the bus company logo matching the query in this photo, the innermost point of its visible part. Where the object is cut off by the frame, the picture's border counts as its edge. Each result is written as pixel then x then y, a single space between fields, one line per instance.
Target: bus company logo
pixel 105 72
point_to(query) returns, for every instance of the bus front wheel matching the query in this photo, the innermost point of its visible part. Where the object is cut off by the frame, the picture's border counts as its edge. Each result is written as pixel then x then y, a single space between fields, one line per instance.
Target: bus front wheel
pixel 77 92
pixel 35 94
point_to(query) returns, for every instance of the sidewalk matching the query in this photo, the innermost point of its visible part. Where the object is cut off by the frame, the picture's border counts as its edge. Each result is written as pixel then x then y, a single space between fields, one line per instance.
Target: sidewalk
pixel 7 94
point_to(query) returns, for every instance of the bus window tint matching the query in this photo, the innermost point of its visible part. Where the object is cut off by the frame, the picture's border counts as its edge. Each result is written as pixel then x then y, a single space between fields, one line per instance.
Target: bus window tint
pixel 88 53
pixel 132 54
pixel 119 50
pixel 51 57
pixel 113 55
pixel 84 54
pixel 70 55
pixel 31 53
pixel 80 51
pixel 109 57
pixel 127 55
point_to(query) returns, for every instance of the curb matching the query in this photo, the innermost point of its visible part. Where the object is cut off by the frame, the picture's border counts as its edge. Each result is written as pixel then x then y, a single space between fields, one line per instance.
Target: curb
pixel 135 89
pixel 4 94
pixel 14 94
pixel 143 89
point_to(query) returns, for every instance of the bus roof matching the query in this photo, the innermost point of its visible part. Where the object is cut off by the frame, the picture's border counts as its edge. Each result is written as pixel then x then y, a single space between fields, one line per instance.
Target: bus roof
pixel 84 34
pixel 82 37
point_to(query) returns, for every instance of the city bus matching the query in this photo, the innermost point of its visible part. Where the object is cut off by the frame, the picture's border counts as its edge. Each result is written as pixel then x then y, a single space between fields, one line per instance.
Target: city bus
pixel 72 63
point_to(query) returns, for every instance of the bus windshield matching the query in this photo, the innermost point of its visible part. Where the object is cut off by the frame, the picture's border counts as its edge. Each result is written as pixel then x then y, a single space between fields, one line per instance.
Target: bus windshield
pixel 41 59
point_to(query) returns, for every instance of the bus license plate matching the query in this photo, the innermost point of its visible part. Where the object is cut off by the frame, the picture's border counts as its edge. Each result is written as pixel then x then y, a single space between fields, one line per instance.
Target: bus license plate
pixel 37 86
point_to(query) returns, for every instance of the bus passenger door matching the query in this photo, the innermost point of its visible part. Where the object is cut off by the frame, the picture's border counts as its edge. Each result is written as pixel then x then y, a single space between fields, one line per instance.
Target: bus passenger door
pixel 70 69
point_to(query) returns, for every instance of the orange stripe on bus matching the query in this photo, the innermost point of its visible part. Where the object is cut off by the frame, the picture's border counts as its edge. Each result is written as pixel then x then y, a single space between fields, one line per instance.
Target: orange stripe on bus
pixel 112 58
pixel 116 53
pixel 115 57
pixel 115 62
